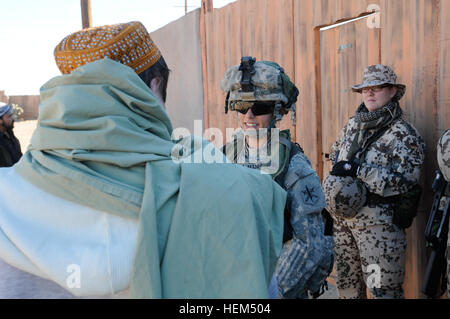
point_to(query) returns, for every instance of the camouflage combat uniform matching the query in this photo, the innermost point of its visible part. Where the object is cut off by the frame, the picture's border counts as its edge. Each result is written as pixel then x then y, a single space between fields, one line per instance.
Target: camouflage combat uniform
pixel 443 155
pixel 306 257
pixel 370 238
pixel 369 247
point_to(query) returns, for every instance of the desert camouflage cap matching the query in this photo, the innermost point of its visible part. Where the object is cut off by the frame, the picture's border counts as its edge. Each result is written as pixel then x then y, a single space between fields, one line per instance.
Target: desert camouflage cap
pixel 344 195
pixel 443 154
pixel 380 74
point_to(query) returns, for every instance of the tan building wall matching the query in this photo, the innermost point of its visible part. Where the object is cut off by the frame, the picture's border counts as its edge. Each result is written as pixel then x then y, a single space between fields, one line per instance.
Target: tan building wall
pixel 3 97
pixel 179 43
pixel 29 103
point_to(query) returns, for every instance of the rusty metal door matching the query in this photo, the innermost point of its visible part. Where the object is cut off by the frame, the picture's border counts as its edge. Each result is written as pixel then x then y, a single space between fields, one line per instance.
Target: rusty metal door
pixel 345 50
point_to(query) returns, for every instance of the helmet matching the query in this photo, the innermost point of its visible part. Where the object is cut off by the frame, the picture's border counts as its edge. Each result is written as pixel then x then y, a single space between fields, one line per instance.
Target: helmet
pixel 344 195
pixel 443 154
pixel 259 81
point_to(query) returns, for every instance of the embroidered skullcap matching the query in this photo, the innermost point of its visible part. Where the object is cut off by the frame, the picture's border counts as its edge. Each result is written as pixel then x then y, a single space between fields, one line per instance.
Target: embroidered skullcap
pixel 128 43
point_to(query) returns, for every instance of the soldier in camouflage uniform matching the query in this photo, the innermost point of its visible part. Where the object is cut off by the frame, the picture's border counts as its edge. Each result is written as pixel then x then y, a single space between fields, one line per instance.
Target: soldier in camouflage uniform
pixel 443 157
pixel 376 156
pixel 262 93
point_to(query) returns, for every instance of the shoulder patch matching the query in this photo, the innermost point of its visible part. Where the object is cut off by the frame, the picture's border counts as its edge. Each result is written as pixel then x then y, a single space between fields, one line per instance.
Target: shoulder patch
pixel 310 194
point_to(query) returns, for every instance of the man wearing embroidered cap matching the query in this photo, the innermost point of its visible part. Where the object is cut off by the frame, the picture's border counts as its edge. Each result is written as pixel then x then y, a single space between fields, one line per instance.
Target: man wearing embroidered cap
pixel 382 154
pixel 10 151
pixel 111 208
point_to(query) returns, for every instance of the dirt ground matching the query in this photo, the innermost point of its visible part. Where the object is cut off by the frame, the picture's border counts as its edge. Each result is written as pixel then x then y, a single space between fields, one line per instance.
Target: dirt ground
pixel 23 131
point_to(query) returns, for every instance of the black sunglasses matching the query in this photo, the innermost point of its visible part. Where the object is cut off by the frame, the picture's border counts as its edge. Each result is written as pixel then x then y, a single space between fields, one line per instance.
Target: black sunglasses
pixel 258 108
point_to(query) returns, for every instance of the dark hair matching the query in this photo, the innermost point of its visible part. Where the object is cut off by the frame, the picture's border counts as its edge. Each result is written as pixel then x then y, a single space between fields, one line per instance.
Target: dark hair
pixel 159 69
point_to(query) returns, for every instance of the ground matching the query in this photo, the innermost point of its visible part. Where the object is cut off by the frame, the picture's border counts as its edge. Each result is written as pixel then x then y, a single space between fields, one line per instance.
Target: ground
pixel 23 131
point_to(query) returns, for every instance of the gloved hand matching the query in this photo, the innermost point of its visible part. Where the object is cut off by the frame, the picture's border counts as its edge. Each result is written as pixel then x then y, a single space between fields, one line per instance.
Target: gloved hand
pixel 345 168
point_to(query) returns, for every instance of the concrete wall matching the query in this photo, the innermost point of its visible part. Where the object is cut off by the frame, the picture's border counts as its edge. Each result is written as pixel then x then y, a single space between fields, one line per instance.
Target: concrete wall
pixel 180 45
pixel 29 103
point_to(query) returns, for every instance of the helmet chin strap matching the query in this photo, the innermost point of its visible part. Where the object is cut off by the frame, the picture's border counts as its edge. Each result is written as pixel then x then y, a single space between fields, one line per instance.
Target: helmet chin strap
pixel 259 133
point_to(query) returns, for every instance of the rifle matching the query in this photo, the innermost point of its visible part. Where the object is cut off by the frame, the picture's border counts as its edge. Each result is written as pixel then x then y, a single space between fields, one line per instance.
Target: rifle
pixel 436 232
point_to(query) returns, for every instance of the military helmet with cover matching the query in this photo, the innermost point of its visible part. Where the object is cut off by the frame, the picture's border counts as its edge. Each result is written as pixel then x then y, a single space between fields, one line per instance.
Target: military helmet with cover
pixel 253 81
pixel 443 154
pixel 345 195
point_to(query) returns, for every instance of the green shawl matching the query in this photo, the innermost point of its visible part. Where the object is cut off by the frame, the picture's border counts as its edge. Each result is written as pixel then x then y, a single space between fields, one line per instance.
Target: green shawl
pixel 103 140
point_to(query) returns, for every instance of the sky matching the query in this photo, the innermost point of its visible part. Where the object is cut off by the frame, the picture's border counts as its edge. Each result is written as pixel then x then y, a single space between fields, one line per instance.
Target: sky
pixel 30 30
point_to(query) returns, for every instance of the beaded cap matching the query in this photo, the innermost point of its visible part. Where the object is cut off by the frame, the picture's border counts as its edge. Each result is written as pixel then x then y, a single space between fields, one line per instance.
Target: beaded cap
pixel 128 43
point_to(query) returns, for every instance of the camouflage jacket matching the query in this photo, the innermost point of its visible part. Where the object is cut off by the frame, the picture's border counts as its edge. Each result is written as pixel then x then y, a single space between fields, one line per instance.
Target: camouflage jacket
pixel 307 259
pixel 390 166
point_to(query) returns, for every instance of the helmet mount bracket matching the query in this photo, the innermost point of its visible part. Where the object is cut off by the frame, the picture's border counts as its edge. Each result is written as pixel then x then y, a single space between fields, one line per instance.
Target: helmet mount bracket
pixel 247 67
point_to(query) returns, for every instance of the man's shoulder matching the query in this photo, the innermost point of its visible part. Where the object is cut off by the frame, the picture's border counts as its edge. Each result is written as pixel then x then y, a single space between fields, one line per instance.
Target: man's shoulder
pixel 7 175
pixel 13 187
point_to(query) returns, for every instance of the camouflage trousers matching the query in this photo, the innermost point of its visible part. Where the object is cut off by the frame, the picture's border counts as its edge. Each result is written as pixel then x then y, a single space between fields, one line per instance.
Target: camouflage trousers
pixel 369 257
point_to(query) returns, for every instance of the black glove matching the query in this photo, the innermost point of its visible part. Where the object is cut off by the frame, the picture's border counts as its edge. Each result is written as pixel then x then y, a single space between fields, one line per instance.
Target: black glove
pixel 345 168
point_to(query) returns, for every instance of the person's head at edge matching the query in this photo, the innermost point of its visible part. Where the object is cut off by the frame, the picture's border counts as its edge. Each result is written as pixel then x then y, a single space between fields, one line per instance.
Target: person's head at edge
pixel 6 118
pixel 127 43
pixel 379 87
